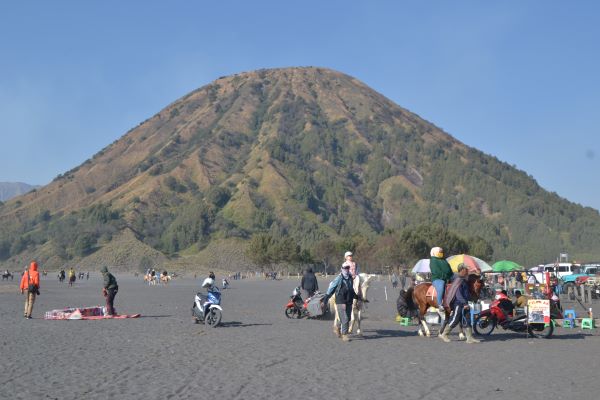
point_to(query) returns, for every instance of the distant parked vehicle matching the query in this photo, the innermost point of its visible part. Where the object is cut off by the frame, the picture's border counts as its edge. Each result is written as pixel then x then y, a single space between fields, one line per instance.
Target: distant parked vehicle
pixel 585 271
pixel 560 270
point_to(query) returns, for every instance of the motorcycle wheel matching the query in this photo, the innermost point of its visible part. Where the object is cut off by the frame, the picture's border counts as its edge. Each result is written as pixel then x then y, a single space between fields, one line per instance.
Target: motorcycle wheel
pixel 213 318
pixel 290 312
pixel 540 330
pixel 484 325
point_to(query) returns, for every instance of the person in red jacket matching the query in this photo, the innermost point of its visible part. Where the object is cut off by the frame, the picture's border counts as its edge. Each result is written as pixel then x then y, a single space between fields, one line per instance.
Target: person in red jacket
pixel 30 282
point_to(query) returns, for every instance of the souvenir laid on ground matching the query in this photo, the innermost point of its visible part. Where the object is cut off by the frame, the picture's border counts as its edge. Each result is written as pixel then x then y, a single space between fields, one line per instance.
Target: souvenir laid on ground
pixel 84 313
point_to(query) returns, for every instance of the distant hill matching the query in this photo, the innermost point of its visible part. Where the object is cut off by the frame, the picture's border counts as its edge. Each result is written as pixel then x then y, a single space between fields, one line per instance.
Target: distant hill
pixel 8 190
pixel 296 163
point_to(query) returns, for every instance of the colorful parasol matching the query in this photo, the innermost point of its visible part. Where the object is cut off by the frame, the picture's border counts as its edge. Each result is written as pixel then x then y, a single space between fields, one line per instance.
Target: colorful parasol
pixel 474 264
pixel 506 266
pixel 422 267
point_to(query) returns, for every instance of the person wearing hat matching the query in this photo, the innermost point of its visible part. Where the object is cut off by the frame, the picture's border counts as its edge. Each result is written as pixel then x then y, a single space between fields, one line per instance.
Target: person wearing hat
pixel 354 271
pixel 344 292
pixel 109 290
pixel 441 274
pixel 458 299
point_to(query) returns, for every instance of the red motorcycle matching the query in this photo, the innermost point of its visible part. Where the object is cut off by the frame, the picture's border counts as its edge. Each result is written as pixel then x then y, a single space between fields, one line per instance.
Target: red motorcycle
pixel 501 313
pixel 312 307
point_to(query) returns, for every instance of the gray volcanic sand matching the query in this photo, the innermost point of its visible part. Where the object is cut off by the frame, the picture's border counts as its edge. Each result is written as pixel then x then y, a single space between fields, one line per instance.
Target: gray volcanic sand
pixel 260 354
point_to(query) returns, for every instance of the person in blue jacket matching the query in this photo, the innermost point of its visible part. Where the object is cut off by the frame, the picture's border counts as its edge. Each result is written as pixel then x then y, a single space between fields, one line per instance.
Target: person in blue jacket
pixel 343 289
pixel 458 297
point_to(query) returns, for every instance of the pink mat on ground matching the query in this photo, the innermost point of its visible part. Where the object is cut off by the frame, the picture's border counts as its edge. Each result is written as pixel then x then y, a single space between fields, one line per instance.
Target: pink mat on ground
pixel 97 312
pixel 113 316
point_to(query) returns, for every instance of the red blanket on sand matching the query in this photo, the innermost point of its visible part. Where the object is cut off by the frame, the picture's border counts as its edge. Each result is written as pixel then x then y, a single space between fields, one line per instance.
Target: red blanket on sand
pixel 85 313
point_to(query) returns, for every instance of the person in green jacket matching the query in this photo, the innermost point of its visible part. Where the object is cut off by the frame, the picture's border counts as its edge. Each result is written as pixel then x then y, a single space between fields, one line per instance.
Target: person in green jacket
pixel 109 290
pixel 441 273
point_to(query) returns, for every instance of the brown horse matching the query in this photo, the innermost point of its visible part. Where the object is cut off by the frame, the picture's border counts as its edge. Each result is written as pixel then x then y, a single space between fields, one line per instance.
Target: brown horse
pixel 422 302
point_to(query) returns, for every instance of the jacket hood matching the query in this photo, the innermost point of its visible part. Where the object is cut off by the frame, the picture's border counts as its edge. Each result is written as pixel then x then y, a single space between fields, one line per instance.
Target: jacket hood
pixel 104 269
pixel 33 266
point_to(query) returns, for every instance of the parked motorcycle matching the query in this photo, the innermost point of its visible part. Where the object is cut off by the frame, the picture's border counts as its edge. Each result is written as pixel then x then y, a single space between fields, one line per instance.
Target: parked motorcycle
pixel 313 307
pixel 208 308
pixel 486 321
pixel 295 306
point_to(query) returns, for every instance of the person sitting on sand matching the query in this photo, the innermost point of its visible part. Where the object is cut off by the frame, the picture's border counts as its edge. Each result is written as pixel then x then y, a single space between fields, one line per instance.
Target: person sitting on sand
pixel 109 290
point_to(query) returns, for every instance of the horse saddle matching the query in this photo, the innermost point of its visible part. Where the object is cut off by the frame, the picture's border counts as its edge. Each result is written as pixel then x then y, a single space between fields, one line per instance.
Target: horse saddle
pixel 432 293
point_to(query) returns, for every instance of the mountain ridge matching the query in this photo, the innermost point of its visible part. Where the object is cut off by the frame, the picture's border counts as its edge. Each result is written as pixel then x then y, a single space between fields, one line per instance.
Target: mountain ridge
pixel 305 152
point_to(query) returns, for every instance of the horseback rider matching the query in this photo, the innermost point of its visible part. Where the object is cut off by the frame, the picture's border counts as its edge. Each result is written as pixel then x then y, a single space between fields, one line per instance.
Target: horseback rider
pixel 458 299
pixel 348 260
pixel 343 289
pixel 441 274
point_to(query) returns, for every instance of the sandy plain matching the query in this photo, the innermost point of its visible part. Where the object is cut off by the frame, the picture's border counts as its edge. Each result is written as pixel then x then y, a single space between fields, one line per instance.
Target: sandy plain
pixel 258 353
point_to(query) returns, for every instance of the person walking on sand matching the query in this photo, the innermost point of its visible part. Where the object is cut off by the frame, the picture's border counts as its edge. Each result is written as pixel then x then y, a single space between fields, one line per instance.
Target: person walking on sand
pixel 441 273
pixel 458 299
pixel 30 282
pixel 309 282
pixel 343 289
pixel 71 276
pixel 109 290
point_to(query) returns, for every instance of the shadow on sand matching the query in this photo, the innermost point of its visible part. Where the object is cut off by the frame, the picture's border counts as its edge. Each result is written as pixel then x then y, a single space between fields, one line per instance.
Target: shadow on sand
pixel 505 336
pixel 237 324
pixel 384 333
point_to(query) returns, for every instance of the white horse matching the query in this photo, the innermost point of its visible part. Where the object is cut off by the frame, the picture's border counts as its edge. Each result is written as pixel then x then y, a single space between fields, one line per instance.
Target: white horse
pixel 361 286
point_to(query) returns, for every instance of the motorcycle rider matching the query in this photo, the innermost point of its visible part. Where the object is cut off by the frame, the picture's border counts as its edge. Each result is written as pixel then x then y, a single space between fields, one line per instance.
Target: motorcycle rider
pixel 209 283
pixel 458 297
pixel 505 304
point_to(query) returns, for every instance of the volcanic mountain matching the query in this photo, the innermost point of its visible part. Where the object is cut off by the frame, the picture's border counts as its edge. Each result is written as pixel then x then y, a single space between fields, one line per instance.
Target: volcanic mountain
pixel 305 153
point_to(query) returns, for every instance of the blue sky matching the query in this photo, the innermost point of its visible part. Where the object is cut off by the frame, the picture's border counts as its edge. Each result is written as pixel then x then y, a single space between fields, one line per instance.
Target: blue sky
pixel 517 79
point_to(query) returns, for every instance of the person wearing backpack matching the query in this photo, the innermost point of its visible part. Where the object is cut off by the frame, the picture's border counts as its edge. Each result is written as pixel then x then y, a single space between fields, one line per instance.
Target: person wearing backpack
pixel 343 289
pixel 30 282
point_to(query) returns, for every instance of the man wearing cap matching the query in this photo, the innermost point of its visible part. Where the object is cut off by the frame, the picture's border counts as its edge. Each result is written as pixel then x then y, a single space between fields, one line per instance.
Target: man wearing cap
pixel 458 299
pixel 441 274
pixel 344 292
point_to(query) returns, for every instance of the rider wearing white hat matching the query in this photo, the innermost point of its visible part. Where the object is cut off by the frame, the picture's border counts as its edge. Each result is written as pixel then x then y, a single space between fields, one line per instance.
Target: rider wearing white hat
pixel 350 262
